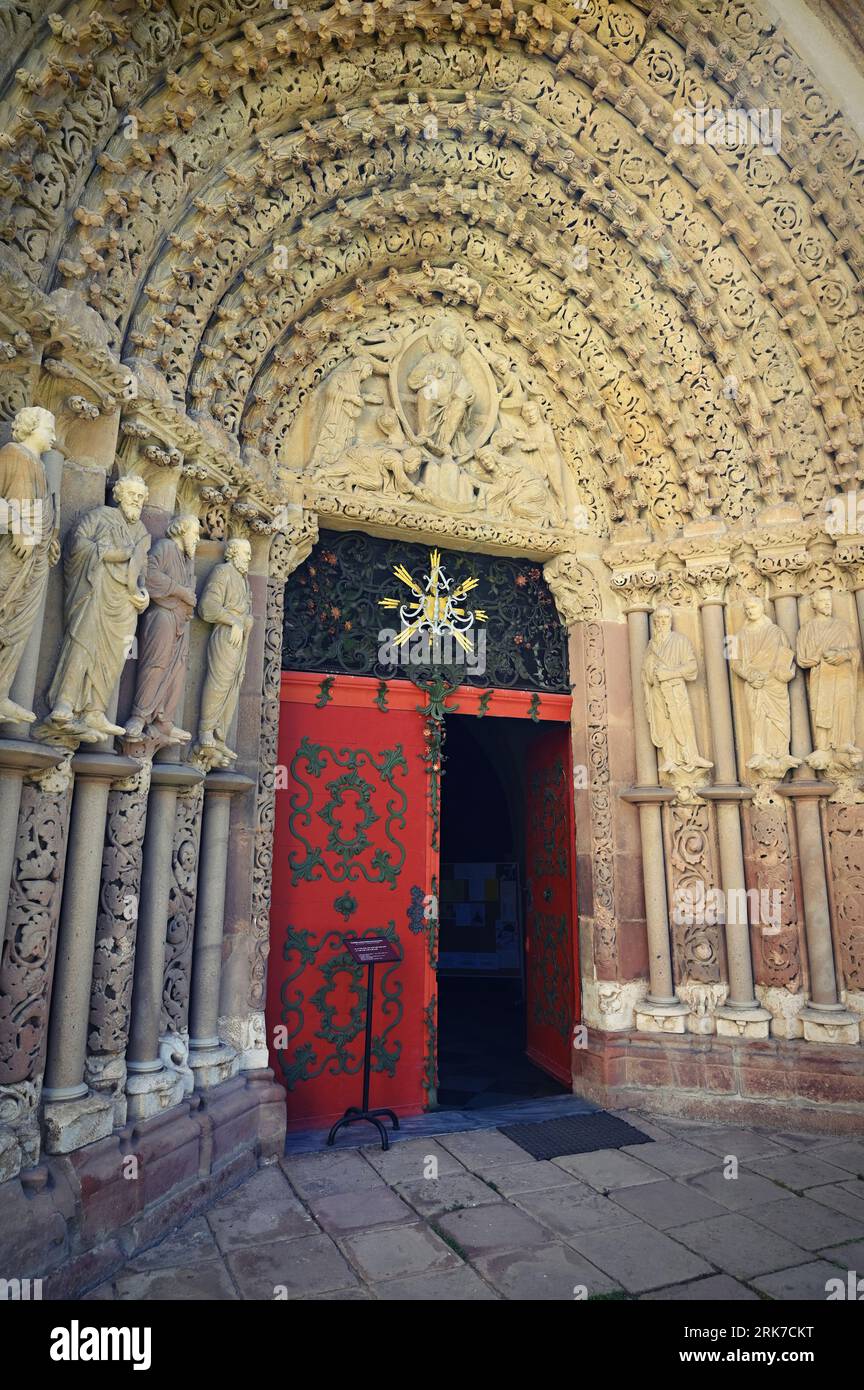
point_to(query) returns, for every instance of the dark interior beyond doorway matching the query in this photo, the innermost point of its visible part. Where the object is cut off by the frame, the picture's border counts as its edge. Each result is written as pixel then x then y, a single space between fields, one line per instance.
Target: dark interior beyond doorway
pixel 481 990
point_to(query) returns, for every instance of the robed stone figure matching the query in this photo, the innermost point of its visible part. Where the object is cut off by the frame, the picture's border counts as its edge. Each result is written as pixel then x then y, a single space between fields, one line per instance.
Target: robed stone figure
pixel 105 558
pixel 226 602
pixel 764 661
pixel 828 648
pixel 28 544
pixel 670 662
pixel 163 641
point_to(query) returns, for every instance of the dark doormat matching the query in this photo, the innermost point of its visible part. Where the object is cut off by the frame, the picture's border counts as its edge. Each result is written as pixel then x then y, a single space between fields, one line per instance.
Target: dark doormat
pixel 576 1134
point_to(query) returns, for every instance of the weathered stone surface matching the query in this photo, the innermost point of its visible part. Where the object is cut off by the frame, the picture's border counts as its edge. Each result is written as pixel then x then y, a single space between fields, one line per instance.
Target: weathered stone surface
pixel 553 1273
pixel 193 1245
pixel 739 1246
pixel 206 1283
pixel 805 1282
pixel 486 1230
pixel 807 1223
pixel 407 1161
pixel 481 1150
pixel 667 1204
pixel 401 1251
pixel 512 1178
pixel 446 1286
pixel 322 1175
pixel 674 1157
pixel 567 1212
pixel 717 1288
pixel 344 1212
pixel 799 1172
pixel 437 1196
pixel 308 1265
pixel 607 1169
pixel 264 1209
pixel 645 1260
pixel 737 1194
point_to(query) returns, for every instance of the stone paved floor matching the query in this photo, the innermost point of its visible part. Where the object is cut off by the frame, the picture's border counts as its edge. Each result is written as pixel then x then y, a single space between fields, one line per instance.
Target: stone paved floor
pixel 658 1221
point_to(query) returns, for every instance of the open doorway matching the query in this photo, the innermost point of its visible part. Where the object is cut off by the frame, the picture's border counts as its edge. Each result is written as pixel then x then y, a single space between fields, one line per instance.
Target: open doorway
pixel 506 967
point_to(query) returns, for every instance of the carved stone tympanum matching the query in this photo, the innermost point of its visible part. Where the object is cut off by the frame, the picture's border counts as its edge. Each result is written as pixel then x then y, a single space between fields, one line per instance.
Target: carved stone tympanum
pixel 763 660
pixel 226 603
pixel 163 645
pixel 28 543
pixel 104 562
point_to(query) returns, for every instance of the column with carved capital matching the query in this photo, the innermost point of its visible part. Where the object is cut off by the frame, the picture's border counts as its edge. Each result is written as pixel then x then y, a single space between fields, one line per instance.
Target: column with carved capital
pixel 784 560
pixel 75 1115
pixel 741 1014
pixel 661 1011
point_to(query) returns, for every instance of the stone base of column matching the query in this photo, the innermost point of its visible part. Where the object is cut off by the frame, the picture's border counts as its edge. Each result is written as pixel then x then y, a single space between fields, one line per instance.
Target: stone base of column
pixel 70 1124
pixel 106 1077
pixel 149 1093
pixel 734 1022
pixel 248 1036
pixel 662 1018
pixel 212 1065
pixel 832 1026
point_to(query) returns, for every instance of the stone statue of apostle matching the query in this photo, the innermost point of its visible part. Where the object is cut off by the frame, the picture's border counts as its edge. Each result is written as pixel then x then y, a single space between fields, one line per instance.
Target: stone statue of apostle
pixel 828 647
pixel 669 663
pixel 764 661
pixel 163 642
pixel 226 602
pixel 105 557
pixel 28 544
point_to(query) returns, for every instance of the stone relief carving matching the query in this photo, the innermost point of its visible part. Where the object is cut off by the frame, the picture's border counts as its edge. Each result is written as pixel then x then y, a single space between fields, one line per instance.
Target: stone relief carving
pixel 105 556
pixel 828 647
pixel 163 641
pixel 225 603
pixel 429 419
pixel 669 664
pixel 181 912
pixel 763 660
pixel 28 543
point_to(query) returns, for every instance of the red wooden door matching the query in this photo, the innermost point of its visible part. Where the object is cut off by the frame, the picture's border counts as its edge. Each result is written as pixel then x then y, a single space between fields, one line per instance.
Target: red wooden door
pixel 352 857
pixel 551 971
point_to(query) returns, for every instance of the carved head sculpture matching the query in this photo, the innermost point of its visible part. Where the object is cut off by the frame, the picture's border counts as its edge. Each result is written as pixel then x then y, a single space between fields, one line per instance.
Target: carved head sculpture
pixel 446 336
pixel 823 602
pixel 662 624
pixel 35 429
pixel 130 494
pixel 754 608
pixel 530 412
pixel 238 552
pixel 185 530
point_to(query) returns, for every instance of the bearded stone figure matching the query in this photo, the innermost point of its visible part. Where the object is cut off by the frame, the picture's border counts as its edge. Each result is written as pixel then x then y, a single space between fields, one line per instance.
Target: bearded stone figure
pixel 105 557
pixel 828 648
pixel 764 661
pixel 670 662
pixel 28 544
pixel 163 644
pixel 226 602
pixel 444 394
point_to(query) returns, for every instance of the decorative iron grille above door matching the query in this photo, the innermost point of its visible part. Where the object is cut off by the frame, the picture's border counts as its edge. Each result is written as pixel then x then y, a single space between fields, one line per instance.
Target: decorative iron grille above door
pixel 334 618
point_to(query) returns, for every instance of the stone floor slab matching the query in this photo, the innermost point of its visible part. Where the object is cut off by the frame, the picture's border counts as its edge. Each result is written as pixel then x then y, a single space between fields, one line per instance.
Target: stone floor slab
pixel 437 1197
pixel 192 1245
pixel 807 1223
pixel 404 1250
pixel 343 1213
pixel 739 1143
pixel 263 1209
pixel 489 1230
pixel 209 1283
pixel 512 1178
pixel 849 1155
pixel 483 1148
pixel 323 1175
pixel 409 1161
pixel 849 1254
pixel 798 1171
pixel 667 1204
pixel 607 1169
pixel 640 1258
pixel 844 1196
pixel 804 1282
pixel 737 1194
pixel 553 1273
pixel 310 1265
pixel 461 1285
pixel 567 1212
pixel 719 1288
pixel 739 1246
pixel 674 1157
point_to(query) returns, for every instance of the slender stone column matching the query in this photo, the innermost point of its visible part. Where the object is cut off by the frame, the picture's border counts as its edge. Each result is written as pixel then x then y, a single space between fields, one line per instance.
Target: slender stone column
pixel 152 1086
pixel 741 1011
pixel 210 1060
pixel 824 1018
pixel 73 1115
pixel 661 1010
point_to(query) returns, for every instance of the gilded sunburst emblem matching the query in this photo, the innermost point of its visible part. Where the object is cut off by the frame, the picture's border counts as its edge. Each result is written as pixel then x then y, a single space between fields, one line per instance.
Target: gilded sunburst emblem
pixel 437 606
